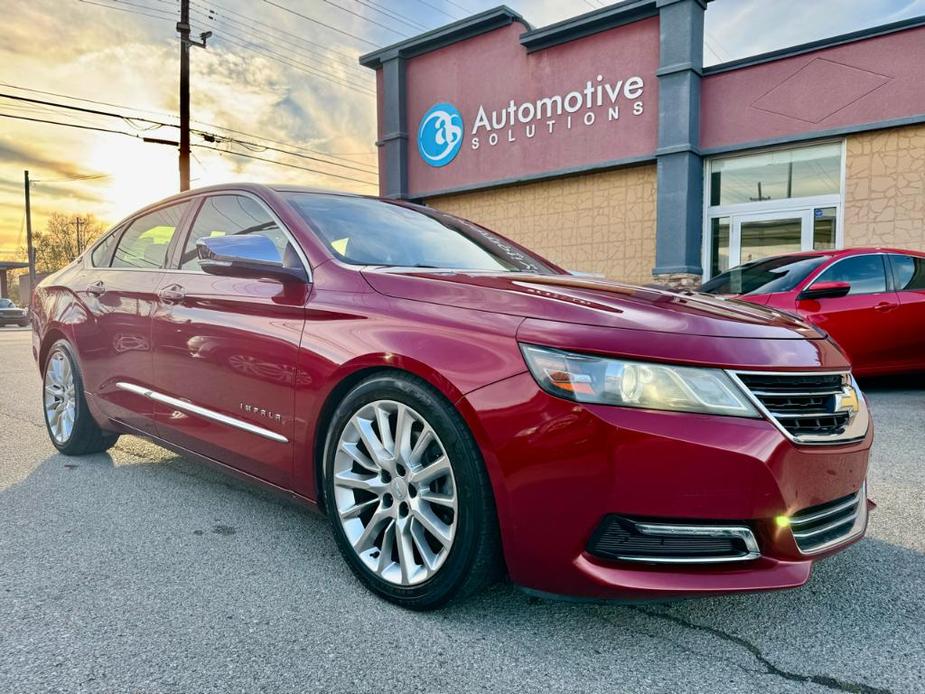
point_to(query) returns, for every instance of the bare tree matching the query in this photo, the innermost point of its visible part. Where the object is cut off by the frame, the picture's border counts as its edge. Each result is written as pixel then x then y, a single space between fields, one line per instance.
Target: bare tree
pixel 64 238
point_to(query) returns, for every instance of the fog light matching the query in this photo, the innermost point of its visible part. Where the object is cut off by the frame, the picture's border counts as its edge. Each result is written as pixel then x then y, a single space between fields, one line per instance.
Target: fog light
pixel 782 521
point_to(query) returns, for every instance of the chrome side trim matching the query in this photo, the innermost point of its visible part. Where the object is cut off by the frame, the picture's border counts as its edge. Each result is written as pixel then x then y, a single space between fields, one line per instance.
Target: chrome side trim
pixel 858 425
pixel 736 531
pixel 796 522
pixel 202 411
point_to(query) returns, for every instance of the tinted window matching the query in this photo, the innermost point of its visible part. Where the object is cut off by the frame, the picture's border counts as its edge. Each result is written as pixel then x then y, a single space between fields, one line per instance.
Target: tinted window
pixel 6 303
pixel 909 272
pixel 224 215
pixel 780 274
pixel 364 231
pixel 144 244
pixel 865 274
pixel 102 253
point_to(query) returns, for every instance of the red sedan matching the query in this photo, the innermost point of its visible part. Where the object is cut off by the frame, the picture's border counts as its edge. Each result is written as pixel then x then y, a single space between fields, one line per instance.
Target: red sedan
pixel 871 301
pixel 456 404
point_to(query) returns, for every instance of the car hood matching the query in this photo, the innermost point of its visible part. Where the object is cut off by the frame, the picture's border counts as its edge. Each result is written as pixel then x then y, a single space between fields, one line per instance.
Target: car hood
pixel 569 299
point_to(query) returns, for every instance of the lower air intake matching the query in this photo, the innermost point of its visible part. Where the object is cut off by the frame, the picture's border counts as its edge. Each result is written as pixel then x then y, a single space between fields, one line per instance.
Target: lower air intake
pixel 819 527
pixel 668 543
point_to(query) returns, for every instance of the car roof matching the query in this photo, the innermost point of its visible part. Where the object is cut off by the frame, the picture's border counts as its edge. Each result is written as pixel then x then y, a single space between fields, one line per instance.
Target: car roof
pixel 845 252
pixel 245 186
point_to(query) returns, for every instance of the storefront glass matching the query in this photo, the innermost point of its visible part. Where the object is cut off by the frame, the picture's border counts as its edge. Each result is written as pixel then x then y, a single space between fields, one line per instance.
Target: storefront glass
pixel 771 203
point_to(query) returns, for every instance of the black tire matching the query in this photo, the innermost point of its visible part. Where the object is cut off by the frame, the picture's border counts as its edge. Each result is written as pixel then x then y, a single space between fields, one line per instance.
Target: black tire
pixel 474 559
pixel 86 435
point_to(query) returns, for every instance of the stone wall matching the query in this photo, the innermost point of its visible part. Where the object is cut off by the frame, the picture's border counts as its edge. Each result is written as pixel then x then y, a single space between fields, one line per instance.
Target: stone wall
pixel 600 222
pixel 885 188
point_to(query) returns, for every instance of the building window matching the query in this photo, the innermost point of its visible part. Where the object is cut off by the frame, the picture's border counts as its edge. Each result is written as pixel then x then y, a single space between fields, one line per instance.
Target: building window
pixel 772 202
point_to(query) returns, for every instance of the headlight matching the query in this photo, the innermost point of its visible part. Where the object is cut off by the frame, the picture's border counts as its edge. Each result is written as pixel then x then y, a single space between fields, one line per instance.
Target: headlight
pixel 627 383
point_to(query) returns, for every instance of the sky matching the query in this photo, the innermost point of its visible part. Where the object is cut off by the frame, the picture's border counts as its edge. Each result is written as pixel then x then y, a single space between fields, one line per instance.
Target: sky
pixel 282 73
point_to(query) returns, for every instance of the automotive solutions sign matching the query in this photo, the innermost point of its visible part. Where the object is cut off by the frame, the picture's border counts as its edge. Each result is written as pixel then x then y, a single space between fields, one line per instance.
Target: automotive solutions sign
pixel 440 131
pixel 489 112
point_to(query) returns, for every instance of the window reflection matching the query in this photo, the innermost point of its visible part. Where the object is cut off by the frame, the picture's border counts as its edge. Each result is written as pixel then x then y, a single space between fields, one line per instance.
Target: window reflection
pixel 777 175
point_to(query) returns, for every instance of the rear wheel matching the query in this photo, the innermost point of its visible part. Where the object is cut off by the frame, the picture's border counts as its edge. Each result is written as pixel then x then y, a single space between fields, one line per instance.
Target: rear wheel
pixel 71 427
pixel 408 495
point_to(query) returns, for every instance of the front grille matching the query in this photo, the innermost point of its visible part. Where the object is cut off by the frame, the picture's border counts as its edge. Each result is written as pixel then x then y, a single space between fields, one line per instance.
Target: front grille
pixel 808 406
pixel 819 527
pixel 668 543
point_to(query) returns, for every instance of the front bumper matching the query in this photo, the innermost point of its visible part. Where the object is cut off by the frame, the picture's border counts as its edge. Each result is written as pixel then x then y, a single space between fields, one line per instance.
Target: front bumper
pixel 559 467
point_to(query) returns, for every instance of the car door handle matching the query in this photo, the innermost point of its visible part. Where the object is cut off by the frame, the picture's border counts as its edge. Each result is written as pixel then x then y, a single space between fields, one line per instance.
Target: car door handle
pixel 172 294
pixel 885 306
pixel 97 288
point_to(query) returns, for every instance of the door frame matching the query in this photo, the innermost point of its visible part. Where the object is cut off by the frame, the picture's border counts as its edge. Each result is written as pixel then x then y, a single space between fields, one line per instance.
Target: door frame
pixel 805 216
pixel 781 207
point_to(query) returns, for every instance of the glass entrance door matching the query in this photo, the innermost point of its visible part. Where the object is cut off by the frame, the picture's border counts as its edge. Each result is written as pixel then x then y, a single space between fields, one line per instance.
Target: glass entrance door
pixel 756 236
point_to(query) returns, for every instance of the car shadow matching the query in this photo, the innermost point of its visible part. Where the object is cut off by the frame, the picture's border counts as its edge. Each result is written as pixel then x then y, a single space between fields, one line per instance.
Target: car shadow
pixel 175 557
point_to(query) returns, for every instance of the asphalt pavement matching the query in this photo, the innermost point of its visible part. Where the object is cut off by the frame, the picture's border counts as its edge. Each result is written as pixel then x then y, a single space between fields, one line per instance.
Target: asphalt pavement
pixel 139 571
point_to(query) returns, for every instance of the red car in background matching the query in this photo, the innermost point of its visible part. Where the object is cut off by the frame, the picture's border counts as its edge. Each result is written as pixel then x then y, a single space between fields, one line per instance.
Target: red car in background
pixel 458 405
pixel 871 301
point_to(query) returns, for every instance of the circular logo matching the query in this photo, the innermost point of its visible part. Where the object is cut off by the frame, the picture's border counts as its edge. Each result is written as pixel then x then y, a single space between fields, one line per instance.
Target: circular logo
pixel 440 134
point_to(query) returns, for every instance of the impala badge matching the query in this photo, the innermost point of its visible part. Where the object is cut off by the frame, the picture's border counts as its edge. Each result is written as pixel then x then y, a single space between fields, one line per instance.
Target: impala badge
pixel 261 412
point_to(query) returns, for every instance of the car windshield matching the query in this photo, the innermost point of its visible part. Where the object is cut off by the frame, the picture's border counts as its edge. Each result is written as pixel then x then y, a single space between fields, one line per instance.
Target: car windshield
pixel 366 231
pixel 778 274
pixel 6 303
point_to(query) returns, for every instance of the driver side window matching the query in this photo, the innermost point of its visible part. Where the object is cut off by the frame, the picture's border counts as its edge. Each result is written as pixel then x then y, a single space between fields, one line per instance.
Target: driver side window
pixel 226 215
pixel 865 273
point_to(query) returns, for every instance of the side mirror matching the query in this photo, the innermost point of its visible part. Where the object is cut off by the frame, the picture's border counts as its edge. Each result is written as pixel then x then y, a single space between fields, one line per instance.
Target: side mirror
pixel 825 290
pixel 251 256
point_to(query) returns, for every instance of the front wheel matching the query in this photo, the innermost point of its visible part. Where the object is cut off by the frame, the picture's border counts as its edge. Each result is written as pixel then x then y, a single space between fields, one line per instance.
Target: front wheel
pixel 408 495
pixel 71 427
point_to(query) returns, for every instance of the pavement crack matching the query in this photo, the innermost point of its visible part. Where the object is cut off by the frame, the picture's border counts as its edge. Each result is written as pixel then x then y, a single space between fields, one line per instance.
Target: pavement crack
pixel 770 668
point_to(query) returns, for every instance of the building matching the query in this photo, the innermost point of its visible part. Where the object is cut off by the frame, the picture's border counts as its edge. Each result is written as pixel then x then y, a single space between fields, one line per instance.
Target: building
pixel 602 141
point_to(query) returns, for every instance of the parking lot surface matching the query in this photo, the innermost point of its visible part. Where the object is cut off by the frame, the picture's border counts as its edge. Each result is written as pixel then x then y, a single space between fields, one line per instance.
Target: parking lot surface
pixel 138 571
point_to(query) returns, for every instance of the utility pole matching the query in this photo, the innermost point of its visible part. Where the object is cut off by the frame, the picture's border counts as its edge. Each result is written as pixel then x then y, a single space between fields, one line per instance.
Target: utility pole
pixel 29 249
pixel 77 221
pixel 183 28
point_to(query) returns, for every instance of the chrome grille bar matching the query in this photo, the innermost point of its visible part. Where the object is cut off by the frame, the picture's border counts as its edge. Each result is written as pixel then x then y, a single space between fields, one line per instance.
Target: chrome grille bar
pixel 806 406
pixel 819 528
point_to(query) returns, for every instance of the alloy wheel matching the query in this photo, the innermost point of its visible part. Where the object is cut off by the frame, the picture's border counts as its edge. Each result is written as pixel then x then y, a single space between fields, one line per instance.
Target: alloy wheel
pixel 60 397
pixel 395 492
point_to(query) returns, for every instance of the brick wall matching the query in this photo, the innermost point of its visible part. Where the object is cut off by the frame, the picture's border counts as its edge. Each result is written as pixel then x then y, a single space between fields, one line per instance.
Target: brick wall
pixel 600 222
pixel 885 188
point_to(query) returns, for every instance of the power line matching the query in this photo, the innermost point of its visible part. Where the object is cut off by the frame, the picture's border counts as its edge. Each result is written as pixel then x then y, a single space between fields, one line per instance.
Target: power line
pixel 205 134
pixel 124 9
pixel 365 18
pixel 265 148
pixel 336 62
pixel 442 11
pixel 292 62
pixel 279 163
pixel 72 125
pixel 280 58
pixel 320 23
pixel 235 13
pixel 308 69
pixel 45 109
pixel 456 4
pixel 217 149
pixel 391 14
pixel 93 111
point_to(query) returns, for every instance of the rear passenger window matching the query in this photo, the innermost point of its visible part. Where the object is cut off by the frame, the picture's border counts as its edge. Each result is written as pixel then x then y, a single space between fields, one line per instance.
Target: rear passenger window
pixel 224 215
pixel 865 274
pixel 103 252
pixel 909 272
pixel 144 244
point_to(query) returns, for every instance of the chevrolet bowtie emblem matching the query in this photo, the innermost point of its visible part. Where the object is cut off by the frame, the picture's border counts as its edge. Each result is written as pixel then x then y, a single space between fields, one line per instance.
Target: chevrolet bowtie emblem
pixel 847 400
